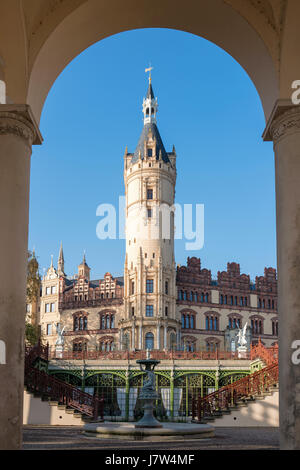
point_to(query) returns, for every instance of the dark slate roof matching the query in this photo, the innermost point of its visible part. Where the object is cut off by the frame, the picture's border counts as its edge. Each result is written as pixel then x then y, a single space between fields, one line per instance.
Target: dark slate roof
pixel 159 143
pixel 150 93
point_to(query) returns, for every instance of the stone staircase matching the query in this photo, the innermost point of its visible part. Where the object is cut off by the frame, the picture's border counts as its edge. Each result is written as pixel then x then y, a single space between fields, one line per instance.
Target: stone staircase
pixel 48 400
pixel 250 401
pixel 256 410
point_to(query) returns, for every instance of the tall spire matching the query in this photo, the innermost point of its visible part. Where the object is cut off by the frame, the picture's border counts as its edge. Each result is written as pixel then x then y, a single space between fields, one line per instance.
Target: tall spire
pixel 150 143
pixel 61 262
pixel 150 104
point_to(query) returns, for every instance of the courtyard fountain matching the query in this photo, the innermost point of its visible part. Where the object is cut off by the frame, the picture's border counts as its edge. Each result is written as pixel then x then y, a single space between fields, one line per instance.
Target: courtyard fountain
pixel 148 427
pixel 148 394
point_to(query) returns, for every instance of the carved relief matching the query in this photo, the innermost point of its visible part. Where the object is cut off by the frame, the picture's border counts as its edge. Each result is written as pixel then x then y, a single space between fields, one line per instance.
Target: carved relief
pixel 287 123
pixel 12 123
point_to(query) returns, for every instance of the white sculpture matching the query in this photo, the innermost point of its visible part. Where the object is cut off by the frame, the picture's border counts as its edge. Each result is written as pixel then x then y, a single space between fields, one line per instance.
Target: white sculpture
pixel 60 340
pixel 242 341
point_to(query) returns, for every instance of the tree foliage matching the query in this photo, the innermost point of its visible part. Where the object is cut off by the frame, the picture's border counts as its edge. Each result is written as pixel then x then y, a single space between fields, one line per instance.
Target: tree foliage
pixel 32 333
pixel 33 278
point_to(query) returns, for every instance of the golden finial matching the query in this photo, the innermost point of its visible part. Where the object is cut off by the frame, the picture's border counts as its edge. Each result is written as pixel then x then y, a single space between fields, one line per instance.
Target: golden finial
pixel 149 70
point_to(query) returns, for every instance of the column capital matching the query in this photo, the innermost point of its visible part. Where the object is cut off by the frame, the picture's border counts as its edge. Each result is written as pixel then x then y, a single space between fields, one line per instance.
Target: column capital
pixel 18 119
pixel 284 120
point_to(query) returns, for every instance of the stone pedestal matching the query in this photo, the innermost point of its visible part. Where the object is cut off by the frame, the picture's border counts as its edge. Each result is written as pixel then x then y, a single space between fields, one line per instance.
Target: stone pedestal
pixel 242 352
pixel 59 352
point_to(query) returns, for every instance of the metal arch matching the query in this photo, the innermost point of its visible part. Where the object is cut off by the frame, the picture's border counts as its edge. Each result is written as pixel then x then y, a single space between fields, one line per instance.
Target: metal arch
pixel 75 373
pixel 164 373
pixel 211 375
pixel 229 373
pixel 120 374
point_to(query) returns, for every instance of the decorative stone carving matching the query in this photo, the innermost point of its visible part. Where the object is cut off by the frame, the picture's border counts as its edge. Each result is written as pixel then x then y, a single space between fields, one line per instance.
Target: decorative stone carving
pixel 18 120
pixel 287 123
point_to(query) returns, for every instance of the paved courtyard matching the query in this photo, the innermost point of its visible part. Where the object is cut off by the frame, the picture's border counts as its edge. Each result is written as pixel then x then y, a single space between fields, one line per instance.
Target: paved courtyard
pixel 71 437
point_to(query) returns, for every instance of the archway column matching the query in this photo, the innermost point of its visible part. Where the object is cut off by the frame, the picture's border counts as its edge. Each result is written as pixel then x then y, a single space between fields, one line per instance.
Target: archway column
pixel 284 130
pixel 18 131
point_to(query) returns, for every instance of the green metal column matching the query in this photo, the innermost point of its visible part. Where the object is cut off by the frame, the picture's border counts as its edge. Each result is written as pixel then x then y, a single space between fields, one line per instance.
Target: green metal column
pixel 201 385
pixel 172 395
pixel 83 378
pixel 217 380
pixel 127 396
pixel 186 395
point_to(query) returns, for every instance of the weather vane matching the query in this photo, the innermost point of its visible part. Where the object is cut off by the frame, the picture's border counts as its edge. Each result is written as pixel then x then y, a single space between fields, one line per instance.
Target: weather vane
pixel 149 70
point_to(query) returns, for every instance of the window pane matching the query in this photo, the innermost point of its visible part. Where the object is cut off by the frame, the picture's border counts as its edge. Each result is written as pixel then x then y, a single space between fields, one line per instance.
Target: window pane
pixel 150 194
pixel 149 310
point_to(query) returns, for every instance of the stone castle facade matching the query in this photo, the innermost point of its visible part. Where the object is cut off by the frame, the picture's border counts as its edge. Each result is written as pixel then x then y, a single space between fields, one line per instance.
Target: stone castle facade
pixel 155 305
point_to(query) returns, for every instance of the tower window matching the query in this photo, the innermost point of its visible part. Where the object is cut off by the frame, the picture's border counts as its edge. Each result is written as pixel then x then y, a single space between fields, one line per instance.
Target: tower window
pixel 149 286
pixel 149 310
pixel 166 288
pixel 149 193
pixel 149 212
pixel 149 152
pixel 166 311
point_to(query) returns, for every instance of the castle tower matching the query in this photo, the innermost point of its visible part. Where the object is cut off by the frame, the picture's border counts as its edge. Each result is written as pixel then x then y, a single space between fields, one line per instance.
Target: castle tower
pixel 83 269
pixel 149 274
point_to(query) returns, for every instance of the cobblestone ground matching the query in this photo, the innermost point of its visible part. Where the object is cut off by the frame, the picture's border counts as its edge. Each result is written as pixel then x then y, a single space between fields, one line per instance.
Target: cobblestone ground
pixel 71 437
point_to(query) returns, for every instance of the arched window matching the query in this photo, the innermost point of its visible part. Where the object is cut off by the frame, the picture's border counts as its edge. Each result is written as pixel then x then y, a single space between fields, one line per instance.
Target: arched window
pixel 275 327
pixel 212 345
pixel 211 321
pixel 173 343
pixel 80 322
pixel 107 321
pixel 106 344
pixel 182 320
pixel 257 325
pixel 79 346
pixel 149 341
pixel 126 341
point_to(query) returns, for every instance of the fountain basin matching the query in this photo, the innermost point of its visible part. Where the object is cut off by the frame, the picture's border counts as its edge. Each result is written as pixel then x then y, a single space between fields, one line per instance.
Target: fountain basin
pixel 167 431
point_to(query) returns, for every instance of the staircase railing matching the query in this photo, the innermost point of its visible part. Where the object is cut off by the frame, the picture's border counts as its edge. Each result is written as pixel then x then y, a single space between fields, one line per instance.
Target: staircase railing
pixel 247 387
pixel 43 384
pixel 268 355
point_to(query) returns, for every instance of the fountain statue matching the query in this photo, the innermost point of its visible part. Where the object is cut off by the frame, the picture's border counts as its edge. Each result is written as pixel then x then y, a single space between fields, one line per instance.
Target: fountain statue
pixel 148 394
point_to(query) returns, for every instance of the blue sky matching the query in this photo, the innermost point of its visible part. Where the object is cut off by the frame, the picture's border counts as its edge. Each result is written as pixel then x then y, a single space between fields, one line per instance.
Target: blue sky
pixel 208 108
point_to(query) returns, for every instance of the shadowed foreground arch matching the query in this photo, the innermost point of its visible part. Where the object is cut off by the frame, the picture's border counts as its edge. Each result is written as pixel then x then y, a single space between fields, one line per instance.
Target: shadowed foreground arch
pixel 93 21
